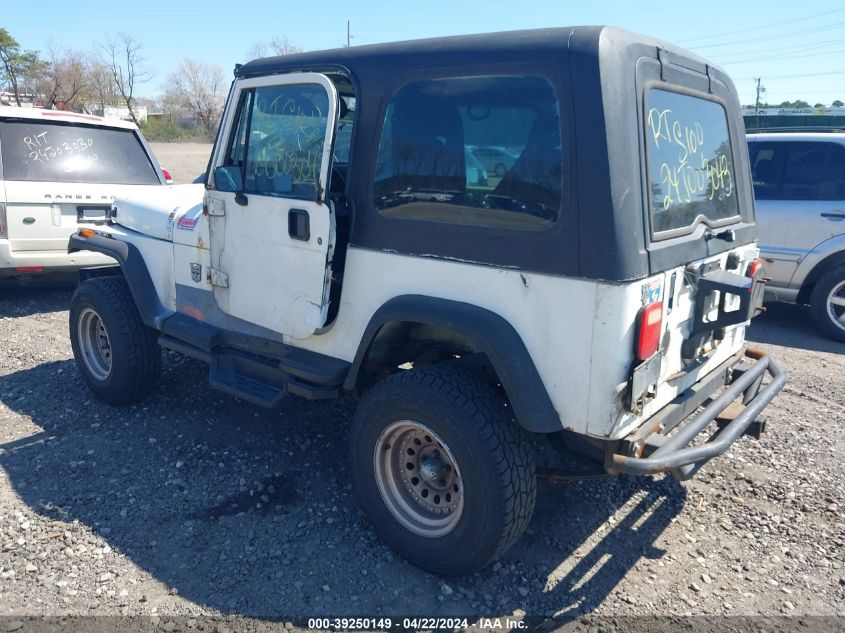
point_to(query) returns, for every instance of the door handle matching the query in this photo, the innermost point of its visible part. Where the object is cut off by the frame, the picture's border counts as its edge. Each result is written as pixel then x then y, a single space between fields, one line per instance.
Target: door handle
pixel 836 216
pixel 299 225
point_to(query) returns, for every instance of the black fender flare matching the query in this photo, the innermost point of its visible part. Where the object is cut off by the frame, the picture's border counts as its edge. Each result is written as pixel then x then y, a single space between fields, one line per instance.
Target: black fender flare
pixel 134 270
pixel 490 334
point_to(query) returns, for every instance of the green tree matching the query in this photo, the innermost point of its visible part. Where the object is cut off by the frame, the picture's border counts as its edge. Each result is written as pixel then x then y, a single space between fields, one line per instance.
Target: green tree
pixel 798 103
pixel 837 104
pixel 19 66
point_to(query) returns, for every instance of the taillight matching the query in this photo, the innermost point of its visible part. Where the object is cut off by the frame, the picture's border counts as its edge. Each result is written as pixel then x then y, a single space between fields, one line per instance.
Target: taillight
pixel 3 231
pixel 648 336
pixel 754 267
pixel 167 177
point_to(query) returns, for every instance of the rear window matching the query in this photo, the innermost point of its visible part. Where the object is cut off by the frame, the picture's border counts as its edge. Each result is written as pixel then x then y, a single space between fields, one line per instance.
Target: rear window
pixel 60 152
pixel 690 164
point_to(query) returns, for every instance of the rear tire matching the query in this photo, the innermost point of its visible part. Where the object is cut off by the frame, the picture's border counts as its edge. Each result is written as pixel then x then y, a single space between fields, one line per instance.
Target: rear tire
pixel 118 356
pixel 827 303
pixel 440 468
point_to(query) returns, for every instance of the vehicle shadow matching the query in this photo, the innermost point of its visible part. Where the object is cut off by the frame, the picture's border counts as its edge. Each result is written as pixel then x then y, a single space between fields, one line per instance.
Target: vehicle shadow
pixel 23 300
pixel 250 512
pixel 790 325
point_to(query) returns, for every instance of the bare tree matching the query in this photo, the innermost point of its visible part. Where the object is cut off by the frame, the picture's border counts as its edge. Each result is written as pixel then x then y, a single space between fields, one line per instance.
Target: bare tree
pixel 200 89
pixel 65 78
pixel 170 103
pixel 19 66
pixel 103 88
pixel 122 56
pixel 276 46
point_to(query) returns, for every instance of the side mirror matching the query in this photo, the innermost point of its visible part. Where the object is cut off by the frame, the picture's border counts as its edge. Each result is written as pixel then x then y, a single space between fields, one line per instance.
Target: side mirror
pixel 228 178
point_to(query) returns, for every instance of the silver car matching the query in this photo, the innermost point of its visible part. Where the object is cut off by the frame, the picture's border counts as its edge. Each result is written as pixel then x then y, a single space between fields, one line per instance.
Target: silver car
pixel 799 186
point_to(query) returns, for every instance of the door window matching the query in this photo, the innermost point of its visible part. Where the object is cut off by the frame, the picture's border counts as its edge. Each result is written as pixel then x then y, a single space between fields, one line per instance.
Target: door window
pixel 279 140
pixel 478 151
pixel 797 170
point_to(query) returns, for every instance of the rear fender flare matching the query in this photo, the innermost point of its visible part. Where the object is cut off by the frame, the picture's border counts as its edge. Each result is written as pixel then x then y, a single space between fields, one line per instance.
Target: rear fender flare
pixel 489 334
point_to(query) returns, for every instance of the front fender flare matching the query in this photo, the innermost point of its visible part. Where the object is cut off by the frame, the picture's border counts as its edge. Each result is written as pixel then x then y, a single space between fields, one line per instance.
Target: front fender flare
pixel 134 271
pixel 490 334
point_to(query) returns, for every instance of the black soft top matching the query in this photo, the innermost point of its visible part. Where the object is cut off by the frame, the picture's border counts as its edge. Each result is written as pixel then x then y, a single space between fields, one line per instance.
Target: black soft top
pixel 369 60
pixel 601 74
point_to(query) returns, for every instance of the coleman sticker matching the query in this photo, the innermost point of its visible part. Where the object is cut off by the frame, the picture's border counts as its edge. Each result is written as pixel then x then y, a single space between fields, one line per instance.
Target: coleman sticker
pixel 187 224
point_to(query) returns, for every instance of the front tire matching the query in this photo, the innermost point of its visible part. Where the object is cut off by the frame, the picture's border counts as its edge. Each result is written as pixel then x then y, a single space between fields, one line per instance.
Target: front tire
pixel 827 303
pixel 117 355
pixel 440 468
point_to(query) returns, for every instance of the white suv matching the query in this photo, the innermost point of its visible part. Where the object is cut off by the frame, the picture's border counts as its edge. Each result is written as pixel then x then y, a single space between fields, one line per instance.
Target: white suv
pixel 56 170
pixel 799 185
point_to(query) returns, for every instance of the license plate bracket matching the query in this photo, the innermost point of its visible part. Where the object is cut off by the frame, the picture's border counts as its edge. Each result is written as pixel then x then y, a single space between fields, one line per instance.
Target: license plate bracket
pixel 95 214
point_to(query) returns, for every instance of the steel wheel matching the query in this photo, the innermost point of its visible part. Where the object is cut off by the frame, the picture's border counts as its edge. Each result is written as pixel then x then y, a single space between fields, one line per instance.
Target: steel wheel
pixel 94 344
pixel 418 478
pixel 836 304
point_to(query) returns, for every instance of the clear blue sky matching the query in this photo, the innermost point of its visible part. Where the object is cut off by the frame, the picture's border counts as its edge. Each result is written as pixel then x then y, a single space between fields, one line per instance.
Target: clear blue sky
pixel 798 52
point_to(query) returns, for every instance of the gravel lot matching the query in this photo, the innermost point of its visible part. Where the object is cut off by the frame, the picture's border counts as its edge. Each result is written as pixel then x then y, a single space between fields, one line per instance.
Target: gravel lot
pixel 195 504
pixel 185 161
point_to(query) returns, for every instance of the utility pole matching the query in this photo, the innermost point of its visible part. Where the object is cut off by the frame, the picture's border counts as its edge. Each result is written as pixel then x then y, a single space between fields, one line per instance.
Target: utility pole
pixel 348 35
pixel 760 91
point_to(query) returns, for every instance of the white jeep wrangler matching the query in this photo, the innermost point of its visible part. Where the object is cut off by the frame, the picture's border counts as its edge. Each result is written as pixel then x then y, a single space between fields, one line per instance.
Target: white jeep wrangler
pixel 596 288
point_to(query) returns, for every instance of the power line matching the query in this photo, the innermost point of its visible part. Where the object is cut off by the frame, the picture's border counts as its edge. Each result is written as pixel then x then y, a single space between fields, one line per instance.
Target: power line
pixel 768 77
pixel 760 28
pixel 765 38
pixel 777 57
pixel 788 49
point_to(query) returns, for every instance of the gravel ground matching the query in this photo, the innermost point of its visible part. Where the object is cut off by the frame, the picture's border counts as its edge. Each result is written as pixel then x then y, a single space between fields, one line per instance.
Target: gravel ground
pixel 195 504
pixel 184 161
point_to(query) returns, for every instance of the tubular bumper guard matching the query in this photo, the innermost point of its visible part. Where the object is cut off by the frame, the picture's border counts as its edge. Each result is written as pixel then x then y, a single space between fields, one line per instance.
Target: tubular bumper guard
pixel 672 452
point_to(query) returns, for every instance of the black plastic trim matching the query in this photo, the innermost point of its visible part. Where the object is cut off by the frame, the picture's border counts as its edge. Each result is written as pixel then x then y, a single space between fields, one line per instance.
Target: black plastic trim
pixel 490 334
pixel 134 271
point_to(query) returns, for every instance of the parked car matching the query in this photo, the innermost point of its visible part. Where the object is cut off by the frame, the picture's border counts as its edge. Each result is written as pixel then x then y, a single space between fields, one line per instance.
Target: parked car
pixel 592 295
pixel 799 185
pixel 59 169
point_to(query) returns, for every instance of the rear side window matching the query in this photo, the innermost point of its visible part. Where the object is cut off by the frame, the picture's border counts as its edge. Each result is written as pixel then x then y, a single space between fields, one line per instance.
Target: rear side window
pixel 797 170
pixel 478 151
pixel 690 163
pixel 60 152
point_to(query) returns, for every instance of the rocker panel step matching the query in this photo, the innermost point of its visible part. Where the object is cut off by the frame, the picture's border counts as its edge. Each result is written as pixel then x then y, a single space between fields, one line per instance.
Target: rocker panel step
pixel 191 331
pixel 247 378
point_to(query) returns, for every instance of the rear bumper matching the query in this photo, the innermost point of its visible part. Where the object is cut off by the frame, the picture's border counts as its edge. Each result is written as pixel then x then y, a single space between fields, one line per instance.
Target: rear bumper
pixel 655 448
pixel 17 263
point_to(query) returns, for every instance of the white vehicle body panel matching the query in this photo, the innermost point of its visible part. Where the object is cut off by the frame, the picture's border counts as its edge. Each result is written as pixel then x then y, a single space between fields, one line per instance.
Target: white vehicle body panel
pixel 157 212
pixel 558 318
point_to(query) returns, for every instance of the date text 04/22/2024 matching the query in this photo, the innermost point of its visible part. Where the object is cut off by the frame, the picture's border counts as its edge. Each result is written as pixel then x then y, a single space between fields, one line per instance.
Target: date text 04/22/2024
pixel 415 623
